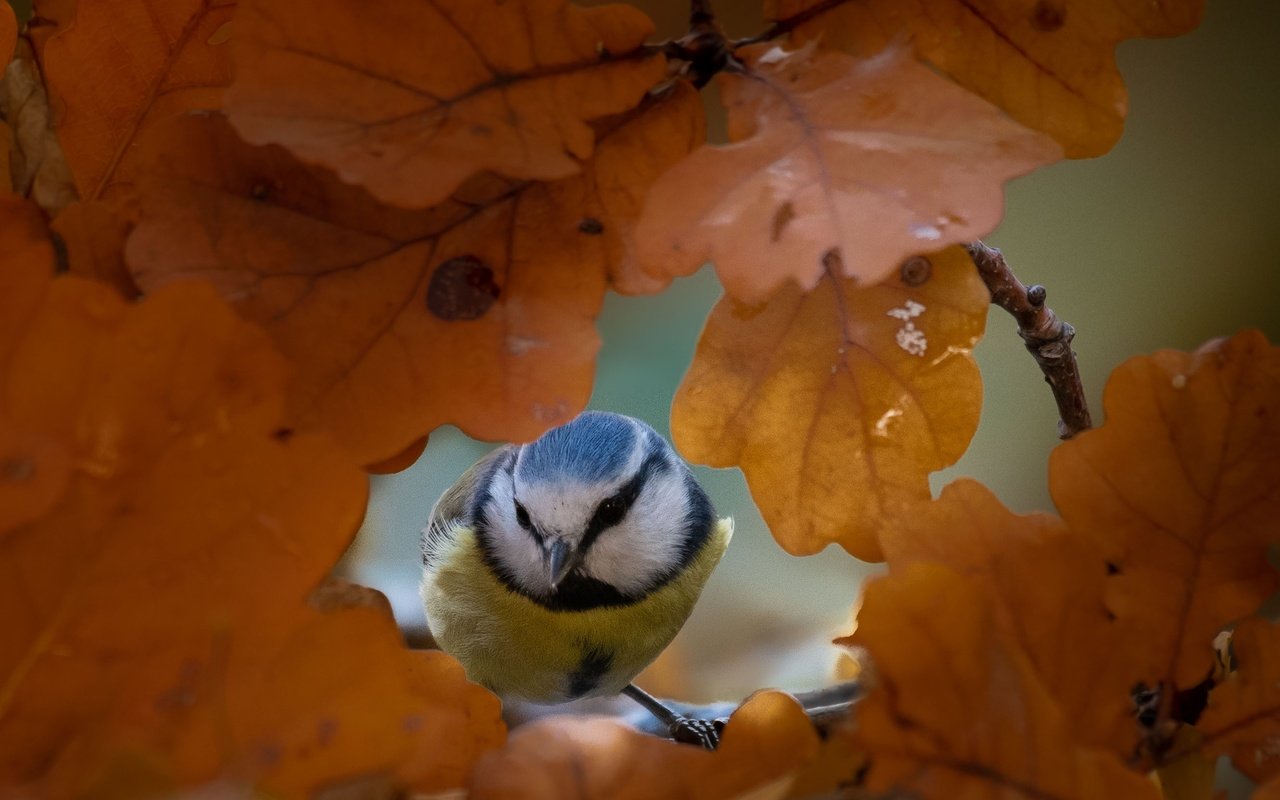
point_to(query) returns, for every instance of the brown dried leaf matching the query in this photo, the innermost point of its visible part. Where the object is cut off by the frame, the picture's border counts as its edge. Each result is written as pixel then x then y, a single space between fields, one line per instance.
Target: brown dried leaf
pixel 117 67
pixel 872 160
pixel 479 312
pixel 958 710
pixel 1181 490
pixel 838 403
pixel 1046 586
pixel 1050 63
pixel 409 100
pixel 766 741
pixel 37 166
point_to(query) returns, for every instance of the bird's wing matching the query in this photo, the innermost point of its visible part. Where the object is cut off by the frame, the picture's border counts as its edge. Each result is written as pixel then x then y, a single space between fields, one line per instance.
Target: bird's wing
pixel 454 506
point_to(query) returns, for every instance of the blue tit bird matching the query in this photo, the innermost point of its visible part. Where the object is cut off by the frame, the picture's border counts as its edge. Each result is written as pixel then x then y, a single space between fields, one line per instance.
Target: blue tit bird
pixel 560 569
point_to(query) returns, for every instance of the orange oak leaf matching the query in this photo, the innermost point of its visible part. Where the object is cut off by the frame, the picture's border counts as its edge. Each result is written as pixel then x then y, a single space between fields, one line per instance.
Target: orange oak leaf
pixel 93 234
pixel 159 604
pixel 409 100
pixel 479 312
pixel 1047 588
pixel 27 253
pixel 838 403
pixel 34 469
pixel 400 461
pixel 1050 63
pixel 1243 716
pixel 765 742
pixel 118 67
pixel 871 160
pixel 1181 490
pixel 957 710
pixel 8 34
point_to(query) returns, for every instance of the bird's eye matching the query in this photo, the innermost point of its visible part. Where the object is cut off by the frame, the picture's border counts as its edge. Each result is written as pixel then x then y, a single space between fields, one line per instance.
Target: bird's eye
pixel 610 512
pixel 522 516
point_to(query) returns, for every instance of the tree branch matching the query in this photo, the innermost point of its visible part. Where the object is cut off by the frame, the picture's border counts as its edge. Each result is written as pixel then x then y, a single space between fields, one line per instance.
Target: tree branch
pixel 826 708
pixel 1047 337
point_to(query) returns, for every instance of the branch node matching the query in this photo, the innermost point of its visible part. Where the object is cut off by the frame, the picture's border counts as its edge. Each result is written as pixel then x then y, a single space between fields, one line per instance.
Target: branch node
pixel 1047 337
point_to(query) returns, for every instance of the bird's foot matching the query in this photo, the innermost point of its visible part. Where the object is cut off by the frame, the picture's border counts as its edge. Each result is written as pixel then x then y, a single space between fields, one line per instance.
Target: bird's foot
pixel 703 732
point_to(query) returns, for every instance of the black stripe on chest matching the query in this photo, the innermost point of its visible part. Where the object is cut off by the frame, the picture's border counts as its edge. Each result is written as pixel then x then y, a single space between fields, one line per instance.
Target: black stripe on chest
pixel 595 664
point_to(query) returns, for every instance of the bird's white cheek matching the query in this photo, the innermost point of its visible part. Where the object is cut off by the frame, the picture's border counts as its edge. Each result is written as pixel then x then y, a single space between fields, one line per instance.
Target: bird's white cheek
pixel 630 557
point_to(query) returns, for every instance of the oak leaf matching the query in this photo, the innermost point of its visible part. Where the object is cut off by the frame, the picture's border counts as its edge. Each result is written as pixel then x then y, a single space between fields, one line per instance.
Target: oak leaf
pixel 33 468
pixel 957 710
pixel 118 67
pixel 838 403
pixel 93 234
pixel 869 160
pixel 765 742
pixel 400 461
pixel 479 312
pixel 1181 489
pixel 410 99
pixel 1047 588
pixel 27 253
pixel 158 605
pixel 1243 716
pixel 1050 64
pixel 8 34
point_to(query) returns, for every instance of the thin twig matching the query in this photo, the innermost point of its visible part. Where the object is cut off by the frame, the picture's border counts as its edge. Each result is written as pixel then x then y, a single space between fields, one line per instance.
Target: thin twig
pixel 826 708
pixel 1047 337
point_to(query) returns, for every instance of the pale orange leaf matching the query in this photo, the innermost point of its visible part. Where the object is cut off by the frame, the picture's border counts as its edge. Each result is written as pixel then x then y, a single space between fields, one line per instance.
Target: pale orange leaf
pixel 409 100
pixel 838 403
pixel 957 710
pixel 865 162
pixel 479 312
pixel 1050 64
pixel 1181 490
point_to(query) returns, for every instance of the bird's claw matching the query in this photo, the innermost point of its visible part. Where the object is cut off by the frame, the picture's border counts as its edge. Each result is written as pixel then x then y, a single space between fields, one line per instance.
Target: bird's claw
pixel 703 732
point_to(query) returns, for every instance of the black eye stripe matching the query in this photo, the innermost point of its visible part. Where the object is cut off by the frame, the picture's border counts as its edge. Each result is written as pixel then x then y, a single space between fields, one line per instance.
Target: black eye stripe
pixel 620 503
pixel 522 518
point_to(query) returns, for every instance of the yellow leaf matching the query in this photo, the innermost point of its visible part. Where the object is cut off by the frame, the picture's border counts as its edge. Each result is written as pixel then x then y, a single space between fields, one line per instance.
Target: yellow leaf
pixel 838 403
pixel 1179 490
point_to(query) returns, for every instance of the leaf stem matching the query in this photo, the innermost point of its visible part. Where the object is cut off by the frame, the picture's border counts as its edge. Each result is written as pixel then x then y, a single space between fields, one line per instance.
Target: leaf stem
pixel 1047 337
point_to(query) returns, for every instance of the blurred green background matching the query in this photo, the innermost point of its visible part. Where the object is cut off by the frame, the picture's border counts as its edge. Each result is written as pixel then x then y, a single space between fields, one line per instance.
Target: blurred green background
pixel 1167 241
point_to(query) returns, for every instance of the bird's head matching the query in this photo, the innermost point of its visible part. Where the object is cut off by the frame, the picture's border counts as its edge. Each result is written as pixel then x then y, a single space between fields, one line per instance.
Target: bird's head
pixel 596 512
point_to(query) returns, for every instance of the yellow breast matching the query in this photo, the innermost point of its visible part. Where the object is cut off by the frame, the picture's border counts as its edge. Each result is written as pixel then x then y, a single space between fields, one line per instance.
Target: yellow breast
pixel 519 648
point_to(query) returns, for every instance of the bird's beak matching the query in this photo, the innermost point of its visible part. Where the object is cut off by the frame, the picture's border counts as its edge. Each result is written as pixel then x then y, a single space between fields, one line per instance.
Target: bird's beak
pixel 561 559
